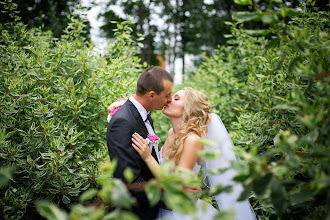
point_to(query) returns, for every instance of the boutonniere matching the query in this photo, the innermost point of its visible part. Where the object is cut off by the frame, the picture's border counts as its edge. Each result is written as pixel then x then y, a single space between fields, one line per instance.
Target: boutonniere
pixel 114 107
pixel 152 139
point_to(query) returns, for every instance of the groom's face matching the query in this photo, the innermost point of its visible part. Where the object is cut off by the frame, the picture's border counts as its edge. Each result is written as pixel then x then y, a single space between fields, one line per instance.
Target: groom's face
pixel 165 97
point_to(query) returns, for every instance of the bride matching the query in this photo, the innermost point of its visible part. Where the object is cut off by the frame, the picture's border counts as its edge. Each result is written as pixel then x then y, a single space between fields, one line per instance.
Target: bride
pixel 191 119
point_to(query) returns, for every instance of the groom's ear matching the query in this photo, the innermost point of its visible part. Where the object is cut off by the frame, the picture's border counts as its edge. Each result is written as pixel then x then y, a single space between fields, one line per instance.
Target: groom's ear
pixel 151 94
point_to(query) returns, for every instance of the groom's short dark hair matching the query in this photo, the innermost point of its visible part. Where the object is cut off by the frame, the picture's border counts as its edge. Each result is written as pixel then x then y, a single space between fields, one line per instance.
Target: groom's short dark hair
pixel 152 80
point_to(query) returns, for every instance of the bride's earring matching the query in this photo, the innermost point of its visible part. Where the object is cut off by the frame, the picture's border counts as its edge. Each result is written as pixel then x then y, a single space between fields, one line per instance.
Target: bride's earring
pixel 183 118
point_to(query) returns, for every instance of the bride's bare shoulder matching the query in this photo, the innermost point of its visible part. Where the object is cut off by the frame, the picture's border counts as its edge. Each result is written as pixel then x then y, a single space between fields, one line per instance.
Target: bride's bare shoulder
pixel 193 140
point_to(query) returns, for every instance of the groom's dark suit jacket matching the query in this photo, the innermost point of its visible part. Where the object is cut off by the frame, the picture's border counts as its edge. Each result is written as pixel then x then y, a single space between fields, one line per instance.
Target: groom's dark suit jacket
pixel 124 123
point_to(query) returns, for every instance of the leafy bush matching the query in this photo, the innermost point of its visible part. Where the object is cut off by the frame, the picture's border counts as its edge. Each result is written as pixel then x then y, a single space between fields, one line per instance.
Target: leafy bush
pixel 54 95
pixel 271 93
pixel 273 97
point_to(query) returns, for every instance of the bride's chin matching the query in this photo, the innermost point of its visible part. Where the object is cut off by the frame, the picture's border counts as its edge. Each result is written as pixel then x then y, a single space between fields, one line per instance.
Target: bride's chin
pixel 164 112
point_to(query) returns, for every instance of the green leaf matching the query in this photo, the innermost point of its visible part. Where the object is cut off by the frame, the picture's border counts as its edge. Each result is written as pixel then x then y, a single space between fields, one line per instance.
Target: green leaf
pixel 258 32
pixel 243 2
pixel 176 198
pixel 224 215
pixel 260 185
pixel 302 196
pixel 244 194
pixel 54 191
pixel 9 134
pixel 153 193
pixel 281 99
pixel 218 189
pixel 272 43
pixel 243 16
pixel 128 174
pixel 120 197
pixel 59 144
pixel 241 177
pixel 286 107
pixel 299 96
pixel 6 174
pixel 292 159
pixel 50 211
pixel 207 155
pixel 228 23
pixel 89 194
pixel 228 35
pixel 65 199
pixel 29 159
pixel 207 142
pixel 218 171
pixel 292 12
pixel 299 47
pixel 326 44
pixel 269 19
pixel 278 196
pixel 283 11
pixel 294 64
pixel 260 76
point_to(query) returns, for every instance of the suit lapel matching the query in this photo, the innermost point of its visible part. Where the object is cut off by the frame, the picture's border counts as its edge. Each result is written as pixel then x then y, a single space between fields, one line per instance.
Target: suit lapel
pixel 138 119
pixel 141 124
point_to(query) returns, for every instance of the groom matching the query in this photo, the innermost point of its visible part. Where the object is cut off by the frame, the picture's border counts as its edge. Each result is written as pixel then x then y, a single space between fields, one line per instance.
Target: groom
pixel 153 92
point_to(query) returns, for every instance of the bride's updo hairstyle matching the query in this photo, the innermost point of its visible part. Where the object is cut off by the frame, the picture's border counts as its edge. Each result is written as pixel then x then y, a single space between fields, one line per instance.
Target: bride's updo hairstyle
pixel 195 120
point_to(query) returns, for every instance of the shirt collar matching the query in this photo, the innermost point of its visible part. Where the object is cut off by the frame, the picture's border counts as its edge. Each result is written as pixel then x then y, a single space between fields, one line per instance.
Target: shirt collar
pixel 143 112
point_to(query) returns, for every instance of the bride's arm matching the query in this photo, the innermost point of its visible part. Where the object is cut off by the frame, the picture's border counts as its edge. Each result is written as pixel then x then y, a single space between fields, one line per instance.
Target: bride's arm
pixel 141 146
pixel 189 157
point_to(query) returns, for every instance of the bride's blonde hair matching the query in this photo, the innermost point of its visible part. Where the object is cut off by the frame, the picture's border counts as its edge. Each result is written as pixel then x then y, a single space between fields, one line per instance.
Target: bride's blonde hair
pixel 195 120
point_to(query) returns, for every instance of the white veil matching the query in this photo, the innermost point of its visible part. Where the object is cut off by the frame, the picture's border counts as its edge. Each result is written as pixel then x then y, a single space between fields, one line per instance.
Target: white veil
pixel 217 133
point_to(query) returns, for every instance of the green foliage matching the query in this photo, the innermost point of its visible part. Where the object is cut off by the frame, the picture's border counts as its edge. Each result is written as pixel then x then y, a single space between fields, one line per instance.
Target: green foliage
pixel 94 204
pixel 53 97
pixel 50 15
pixel 272 95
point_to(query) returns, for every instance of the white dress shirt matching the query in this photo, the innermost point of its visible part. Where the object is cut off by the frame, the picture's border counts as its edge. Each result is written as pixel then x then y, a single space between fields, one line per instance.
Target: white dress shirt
pixel 144 114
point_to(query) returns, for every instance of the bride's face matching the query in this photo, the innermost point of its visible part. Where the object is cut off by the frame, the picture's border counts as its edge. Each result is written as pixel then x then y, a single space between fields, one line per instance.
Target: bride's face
pixel 175 109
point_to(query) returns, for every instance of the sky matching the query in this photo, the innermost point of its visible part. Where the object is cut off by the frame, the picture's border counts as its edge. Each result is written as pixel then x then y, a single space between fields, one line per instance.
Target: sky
pixel 100 43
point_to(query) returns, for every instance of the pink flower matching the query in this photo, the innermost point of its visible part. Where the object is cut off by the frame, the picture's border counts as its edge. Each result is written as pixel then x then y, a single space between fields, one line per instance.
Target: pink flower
pixel 113 111
pixel 153 137
pixel 122 99
pixel 115 106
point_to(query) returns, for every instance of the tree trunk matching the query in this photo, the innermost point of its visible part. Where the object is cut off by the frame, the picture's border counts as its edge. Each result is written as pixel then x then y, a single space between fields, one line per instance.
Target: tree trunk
pixel 184 77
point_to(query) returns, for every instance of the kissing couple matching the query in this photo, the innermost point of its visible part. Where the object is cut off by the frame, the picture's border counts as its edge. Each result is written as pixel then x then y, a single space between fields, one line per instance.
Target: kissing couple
pixel 191 117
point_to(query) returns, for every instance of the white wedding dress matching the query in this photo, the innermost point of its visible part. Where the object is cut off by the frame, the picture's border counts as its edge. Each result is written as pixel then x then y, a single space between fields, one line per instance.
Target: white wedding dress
pixel 217 134
pixel 204 210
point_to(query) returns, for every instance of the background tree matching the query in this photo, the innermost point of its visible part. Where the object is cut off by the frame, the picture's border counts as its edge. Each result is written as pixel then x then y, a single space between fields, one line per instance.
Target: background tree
pixel 139 12
pixel 188 27
pixel 50 14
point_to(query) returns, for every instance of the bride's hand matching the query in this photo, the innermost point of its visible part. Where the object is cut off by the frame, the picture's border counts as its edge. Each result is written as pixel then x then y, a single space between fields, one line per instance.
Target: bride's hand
pixel 194 189
pixel 141 146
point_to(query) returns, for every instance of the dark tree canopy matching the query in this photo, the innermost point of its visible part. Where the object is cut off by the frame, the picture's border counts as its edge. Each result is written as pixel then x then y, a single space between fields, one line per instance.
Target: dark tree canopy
pixel 49 14
pixel 189 26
